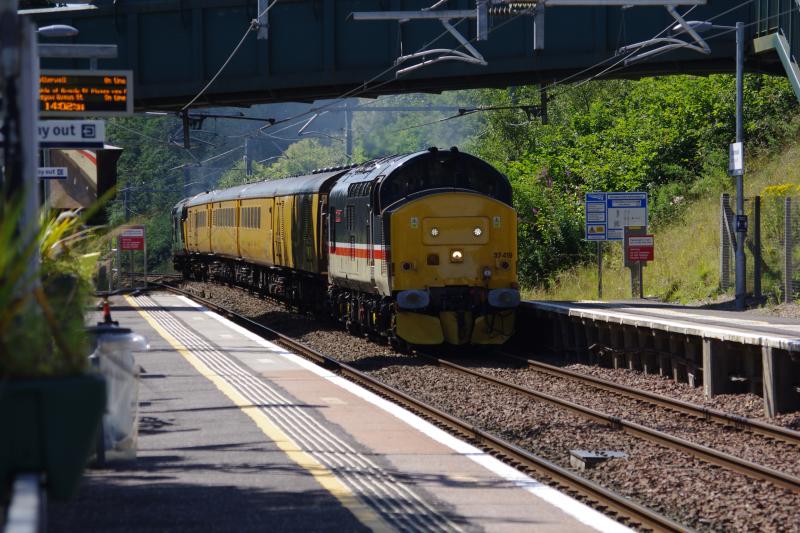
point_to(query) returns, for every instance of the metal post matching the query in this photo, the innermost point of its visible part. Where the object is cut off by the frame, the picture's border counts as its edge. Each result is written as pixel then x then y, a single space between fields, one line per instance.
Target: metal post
pixel 19 79
pixel 46 183
pixel 788 273
pixel 118 261
pixel 724 243
pixel 111 267
pixel 127 217
pixel 757 247
pixel 145 263
pixel 634 279
pixel 263 20
pixel 641 279
pixel 187 140
pixel 599 270
pixel 741 279
pixel 348 132
pixel 543 103
pixel 248 161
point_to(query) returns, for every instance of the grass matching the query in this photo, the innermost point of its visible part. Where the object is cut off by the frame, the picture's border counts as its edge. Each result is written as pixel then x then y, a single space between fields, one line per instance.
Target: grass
pixel 686 266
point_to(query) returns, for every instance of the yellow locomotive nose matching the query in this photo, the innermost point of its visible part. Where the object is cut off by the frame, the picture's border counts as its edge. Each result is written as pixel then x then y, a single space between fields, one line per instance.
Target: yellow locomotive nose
pixel 463 248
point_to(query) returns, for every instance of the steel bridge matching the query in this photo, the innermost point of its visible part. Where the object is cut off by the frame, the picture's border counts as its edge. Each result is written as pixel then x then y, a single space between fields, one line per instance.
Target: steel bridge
pixel 316 49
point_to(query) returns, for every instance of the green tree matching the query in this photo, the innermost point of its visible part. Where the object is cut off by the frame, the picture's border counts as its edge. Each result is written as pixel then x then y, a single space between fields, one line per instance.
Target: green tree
pixel 149 173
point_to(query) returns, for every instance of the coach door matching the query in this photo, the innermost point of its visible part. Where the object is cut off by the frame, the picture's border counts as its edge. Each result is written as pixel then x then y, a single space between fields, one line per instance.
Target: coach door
pixel 323 234
pixel 350 263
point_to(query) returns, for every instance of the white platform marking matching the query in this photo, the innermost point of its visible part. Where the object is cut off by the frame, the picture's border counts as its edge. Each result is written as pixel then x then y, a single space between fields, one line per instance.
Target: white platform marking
pixel 332 400
pixel 581 512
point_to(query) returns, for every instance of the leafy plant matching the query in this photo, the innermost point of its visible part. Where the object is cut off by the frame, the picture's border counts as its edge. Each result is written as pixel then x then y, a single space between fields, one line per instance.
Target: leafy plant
pixel 41 319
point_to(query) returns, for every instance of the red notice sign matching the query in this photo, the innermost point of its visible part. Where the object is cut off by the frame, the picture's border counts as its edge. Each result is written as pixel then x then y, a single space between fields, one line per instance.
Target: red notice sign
pixel 132 238
pixel 640 248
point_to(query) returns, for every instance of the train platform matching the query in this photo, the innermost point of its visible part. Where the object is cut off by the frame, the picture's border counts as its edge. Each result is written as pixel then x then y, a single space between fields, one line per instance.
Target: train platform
pixel 237 434
pixel 745 327
pixel 726 352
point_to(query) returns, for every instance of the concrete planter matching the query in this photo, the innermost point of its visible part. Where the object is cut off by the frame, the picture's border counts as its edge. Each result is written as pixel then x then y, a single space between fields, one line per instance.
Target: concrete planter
pixel 49 426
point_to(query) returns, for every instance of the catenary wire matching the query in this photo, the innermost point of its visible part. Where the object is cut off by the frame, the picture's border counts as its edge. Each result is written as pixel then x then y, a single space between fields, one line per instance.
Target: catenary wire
pixel 611 68
pixel 251 27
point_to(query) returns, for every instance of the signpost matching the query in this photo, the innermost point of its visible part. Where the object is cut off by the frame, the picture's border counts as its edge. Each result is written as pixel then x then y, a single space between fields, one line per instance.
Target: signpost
pixel 132 239
pixel 79 93
pixel 71 133
pixel 607 216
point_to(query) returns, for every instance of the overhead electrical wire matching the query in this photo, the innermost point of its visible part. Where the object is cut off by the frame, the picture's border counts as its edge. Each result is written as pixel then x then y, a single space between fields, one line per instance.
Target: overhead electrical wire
pixel 251 27
pixel 611 68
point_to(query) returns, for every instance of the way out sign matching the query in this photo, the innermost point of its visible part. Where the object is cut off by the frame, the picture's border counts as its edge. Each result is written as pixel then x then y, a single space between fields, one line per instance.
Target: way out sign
pixel 52 173
pixel 132 238
pixel 640 248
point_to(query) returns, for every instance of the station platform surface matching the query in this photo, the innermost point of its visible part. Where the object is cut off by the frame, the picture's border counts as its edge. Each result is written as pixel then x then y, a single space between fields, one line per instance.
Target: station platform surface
pixel 745 327
pixel 237 434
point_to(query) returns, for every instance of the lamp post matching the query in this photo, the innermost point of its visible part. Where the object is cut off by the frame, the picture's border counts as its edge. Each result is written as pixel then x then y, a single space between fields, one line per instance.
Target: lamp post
pixel 741 221
pixel 736 160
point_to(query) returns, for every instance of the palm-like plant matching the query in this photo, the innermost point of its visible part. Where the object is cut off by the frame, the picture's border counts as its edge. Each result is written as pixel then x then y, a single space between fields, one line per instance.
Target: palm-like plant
pixel 41 320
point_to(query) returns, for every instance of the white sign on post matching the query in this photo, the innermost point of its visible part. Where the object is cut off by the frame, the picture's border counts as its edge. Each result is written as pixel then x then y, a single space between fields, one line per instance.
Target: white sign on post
pixel 52 173
pixel 71 133
pixel 736 159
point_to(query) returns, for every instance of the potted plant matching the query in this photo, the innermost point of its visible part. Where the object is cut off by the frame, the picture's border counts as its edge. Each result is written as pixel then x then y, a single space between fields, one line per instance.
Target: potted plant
pixel 50 406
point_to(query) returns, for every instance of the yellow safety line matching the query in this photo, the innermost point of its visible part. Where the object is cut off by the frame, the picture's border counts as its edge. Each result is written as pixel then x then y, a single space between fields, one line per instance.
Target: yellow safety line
pixel 365 514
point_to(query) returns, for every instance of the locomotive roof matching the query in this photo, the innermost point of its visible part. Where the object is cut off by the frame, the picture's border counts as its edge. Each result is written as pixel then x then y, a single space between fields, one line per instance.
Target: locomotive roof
pixel 399 177
pixel 378 169
pixel 310 183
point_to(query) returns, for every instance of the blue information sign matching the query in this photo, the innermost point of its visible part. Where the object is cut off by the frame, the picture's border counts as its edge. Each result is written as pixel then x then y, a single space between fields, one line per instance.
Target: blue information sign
pixel 608 213
pixel 596 220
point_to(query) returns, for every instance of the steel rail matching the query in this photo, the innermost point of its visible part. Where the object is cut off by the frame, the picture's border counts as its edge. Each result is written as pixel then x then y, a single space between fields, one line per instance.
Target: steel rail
pixel 739 422
pixel 611 502
pixel 705 453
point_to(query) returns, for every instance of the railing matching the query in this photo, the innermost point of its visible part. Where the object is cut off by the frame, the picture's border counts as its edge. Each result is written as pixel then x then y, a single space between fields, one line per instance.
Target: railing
pixel 772 16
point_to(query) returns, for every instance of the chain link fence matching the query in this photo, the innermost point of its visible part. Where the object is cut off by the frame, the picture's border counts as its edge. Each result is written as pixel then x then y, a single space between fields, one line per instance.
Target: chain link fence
pixel 772 246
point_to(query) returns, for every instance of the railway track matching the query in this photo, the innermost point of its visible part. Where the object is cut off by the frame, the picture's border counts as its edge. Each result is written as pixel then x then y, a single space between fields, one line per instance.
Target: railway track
pixel 621 507
pixel 738 422
pixel 704 453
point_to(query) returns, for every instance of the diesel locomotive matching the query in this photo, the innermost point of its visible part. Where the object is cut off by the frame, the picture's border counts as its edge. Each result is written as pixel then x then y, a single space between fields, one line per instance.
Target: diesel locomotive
pixel 419 248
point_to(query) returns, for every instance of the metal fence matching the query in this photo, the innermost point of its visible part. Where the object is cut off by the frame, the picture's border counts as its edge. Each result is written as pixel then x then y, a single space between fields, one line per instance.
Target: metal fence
pixel 772 246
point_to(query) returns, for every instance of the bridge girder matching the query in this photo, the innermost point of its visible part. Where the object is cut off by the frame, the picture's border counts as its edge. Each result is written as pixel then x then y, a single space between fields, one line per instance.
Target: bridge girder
pixel 316 51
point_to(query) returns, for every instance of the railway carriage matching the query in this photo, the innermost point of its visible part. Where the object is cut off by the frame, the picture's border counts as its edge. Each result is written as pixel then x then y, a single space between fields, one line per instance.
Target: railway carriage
pixel 419 248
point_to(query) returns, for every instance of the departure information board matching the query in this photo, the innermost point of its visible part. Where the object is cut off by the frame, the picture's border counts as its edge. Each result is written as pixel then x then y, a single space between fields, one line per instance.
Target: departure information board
pixel 80 93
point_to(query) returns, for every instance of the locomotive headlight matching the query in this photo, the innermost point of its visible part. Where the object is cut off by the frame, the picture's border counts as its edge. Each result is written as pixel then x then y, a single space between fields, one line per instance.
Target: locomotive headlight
pixel 434 232
pixel 456 256
pixel 477 232
pixel 487 273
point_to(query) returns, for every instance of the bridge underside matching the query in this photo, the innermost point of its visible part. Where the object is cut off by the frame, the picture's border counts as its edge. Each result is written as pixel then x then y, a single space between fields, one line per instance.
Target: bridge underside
pixel 315 50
